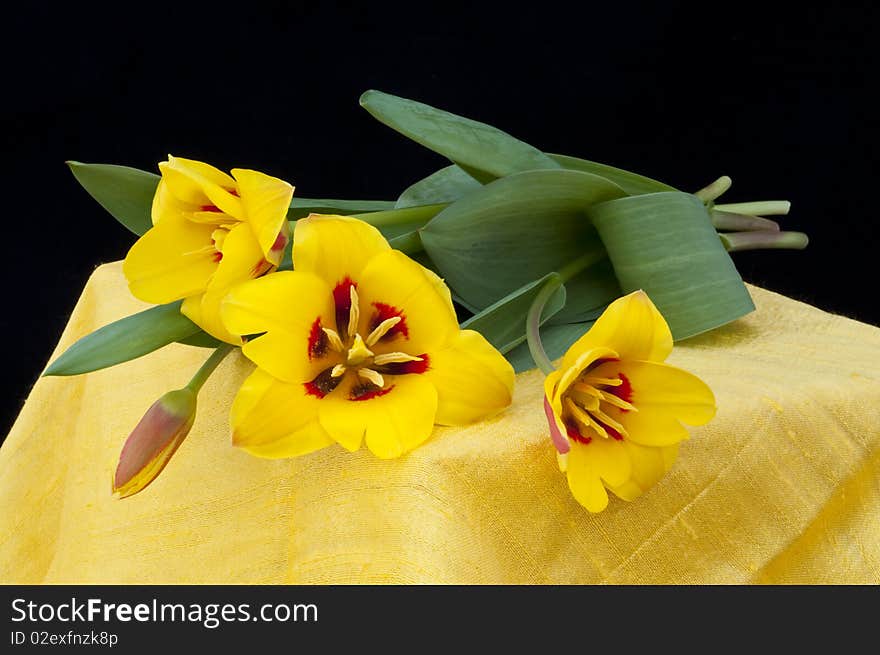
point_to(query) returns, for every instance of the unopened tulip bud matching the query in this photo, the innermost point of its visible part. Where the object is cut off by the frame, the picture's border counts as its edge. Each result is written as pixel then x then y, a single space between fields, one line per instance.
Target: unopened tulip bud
pixel 154 440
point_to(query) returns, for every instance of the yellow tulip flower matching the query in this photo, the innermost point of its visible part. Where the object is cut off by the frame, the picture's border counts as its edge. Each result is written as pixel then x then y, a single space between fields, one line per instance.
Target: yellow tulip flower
pixel 210 231
pixel 359 344
pixel 615 410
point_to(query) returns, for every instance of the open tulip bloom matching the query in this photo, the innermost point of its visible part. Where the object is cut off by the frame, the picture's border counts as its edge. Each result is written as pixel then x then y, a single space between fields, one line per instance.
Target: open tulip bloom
pixel 614 408
pixel 359 344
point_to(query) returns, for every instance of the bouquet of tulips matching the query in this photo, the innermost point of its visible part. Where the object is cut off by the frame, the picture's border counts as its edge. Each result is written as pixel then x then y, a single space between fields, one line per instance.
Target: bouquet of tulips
pixel 370 322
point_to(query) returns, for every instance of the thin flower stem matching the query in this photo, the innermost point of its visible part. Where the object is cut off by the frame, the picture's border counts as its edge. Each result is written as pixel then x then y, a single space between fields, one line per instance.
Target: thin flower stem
pixel 208 367
pixel 725 220
pixel 418 216
pixel 764 239
pixel 715 189
pixel 533 318
pixel 761 208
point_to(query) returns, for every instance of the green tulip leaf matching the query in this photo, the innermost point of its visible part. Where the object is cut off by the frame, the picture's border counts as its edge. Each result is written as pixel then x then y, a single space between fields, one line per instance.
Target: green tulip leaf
pixel 483 151
pixel 302 207
pixel 124 340
pixel 446 185
pixel 504 322
pixel 201 340
pixel 632 183
pixel 127 193
pixel 516 230
pixel 665 244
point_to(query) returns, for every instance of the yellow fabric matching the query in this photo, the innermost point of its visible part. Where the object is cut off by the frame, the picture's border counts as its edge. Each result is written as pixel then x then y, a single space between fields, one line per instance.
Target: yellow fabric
pixel 783 486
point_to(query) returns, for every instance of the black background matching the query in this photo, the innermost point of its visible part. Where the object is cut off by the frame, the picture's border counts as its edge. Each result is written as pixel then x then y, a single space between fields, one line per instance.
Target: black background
pixel 780 99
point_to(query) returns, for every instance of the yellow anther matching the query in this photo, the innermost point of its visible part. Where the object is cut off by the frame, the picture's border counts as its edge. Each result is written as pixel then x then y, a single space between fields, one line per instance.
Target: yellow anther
pixel 607 382
pixel 382 329
pixel 610 422
pixel 354 314
pixel 358 353
pixel 372 376
pixel 584 418
pixel 335 342
pixel 338 371
pixel 611 399
pixel 218 237
pixel 394 358
pixel 586 388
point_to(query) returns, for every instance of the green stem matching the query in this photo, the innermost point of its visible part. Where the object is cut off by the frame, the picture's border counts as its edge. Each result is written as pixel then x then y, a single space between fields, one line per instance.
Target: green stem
pixel 729 221
pixel 715 189
pixel 533 318
pixel 421 214
pixel 764 239
pixel 760 208
pixel 208 367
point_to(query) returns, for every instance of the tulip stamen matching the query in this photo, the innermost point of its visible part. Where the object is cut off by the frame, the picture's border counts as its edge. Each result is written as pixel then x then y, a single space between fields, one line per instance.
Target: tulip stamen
pixel 382 329
pixel 372 376
pixel 354 315
pixel 394 358
pixel 333 340
pixel 607 382
pixel 338 371
pixel 617 401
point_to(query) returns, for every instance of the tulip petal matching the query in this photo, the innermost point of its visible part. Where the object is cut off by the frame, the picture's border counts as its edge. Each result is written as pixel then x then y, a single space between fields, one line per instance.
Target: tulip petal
pixel 242 260
pixel 473 380
pixel 274 419
pixel 392 422
pixel 196 183
pixel 583 478
pixel 286 306
pixel 172 260
pixel 266 200
pixel 632 326
pixel 648 466
pixel 664 390
pixel 335 247
pixel 393 280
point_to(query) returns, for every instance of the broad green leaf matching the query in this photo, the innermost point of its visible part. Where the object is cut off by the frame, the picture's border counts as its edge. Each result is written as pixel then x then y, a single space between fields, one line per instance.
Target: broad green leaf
pixel 556 340
pixel 126 339
pixel 302 207
pixel 516 230
pixel 483 151
pixel 504 322
pixel 127 193
pixel 633 183
pixel 201 340
pixel 446 185
pixel 665 244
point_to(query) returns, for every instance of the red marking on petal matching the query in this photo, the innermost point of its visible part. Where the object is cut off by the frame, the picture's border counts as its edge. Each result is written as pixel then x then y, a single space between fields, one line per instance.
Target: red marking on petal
pixel 612 432
pixel 574 433
pixel 623 391
pixel 404 368
pixel 210 208
pixel 318 342
pixel 383 313
pixel 342 299
pixel 280 242
pixel 368 391
pixel 561 444
pixel 260 268
pixel 323 384
pixel 217 256
pixel 234 192
pixel 313 390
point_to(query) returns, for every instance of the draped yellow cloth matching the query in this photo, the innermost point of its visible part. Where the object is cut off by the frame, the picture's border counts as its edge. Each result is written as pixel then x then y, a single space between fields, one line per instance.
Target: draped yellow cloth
pixel 783 486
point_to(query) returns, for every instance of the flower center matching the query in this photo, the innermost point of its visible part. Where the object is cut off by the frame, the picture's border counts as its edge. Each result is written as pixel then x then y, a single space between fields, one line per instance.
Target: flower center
pixel 368 370
pixel 585 407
